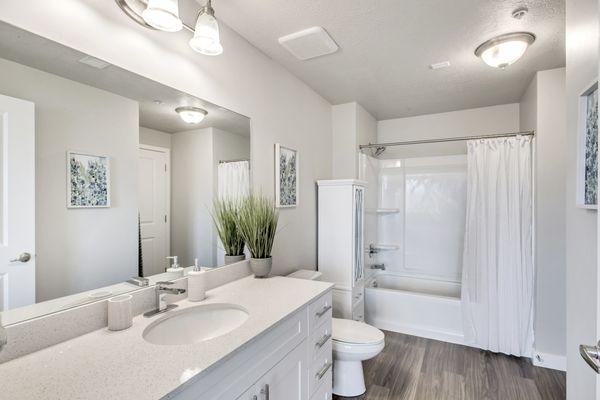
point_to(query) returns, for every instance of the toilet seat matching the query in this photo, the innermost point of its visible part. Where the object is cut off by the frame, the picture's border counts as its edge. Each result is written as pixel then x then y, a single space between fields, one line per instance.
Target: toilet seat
pixel 354 333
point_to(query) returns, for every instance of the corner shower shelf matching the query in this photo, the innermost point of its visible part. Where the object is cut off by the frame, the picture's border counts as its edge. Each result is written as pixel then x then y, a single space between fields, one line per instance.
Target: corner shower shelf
pixel 383 211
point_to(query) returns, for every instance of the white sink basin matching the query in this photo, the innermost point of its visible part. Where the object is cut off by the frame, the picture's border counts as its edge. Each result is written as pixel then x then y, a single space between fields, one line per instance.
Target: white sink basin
pixel 195 324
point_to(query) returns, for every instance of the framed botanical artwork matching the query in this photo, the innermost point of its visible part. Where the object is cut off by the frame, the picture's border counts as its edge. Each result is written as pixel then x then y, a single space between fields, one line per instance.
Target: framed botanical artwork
pixel 287 176
pixel 587 179
pixel 88 180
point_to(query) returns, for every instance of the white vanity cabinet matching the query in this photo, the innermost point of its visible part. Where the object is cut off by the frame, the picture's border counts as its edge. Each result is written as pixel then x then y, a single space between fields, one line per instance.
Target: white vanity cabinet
pixel 291 361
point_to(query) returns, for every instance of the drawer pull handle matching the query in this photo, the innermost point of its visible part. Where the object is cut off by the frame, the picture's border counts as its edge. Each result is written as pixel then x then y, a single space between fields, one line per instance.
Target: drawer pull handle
pixel 265 392
pixel 323 371
pixel 323 340
pixel 326 308
pixel 358 296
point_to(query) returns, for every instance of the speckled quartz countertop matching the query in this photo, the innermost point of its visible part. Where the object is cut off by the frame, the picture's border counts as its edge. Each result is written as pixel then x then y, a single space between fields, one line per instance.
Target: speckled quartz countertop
pixel 122 365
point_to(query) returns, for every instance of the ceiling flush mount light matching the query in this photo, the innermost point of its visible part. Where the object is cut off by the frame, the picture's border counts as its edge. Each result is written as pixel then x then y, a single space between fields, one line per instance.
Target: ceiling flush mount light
pixel 163 15
pixel 504 50
pixel 191 115
pixel 206 38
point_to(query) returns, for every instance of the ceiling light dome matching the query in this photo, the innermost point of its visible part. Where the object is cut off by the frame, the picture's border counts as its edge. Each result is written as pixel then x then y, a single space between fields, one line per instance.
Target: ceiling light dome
pixel 504 50
pixel 191 115
pixel 206 38
pixel 163 15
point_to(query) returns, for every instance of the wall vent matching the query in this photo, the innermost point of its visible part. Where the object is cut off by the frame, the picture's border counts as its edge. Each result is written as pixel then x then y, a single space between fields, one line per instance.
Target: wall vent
pixel 309 43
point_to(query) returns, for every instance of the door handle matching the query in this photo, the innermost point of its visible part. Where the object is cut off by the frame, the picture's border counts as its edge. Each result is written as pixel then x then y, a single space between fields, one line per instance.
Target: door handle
pixel 591 355
pixel 23 258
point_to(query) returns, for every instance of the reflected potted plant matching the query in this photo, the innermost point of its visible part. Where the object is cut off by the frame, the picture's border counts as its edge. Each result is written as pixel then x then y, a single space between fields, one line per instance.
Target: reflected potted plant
pixel 225 215
pixel 257 224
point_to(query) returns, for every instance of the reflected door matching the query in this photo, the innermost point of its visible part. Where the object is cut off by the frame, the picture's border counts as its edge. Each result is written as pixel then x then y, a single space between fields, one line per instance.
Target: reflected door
pixel 154 204
pixel 17 203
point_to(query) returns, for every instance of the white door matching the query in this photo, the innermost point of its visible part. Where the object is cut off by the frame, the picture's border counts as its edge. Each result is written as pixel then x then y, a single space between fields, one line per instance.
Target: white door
pixel 154 203
pixel 17 203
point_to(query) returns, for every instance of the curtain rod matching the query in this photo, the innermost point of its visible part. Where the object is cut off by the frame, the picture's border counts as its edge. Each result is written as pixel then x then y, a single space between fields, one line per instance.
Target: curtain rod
pixel 230 161
pixel 452 139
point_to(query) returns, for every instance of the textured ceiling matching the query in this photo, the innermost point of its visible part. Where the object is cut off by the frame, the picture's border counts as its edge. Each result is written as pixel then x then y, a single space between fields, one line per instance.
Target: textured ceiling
pixel 387 46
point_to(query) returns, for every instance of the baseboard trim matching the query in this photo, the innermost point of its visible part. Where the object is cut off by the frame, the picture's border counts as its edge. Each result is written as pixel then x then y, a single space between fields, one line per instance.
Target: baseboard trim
pixel 547 360
pixel 414 330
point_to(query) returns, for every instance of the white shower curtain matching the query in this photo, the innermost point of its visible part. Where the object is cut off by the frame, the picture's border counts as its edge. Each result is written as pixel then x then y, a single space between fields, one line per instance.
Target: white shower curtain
pixel 498 273
pixel 233 180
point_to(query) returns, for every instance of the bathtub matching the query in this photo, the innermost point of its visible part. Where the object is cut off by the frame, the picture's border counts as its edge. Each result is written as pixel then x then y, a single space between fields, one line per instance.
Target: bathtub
pixel 415 306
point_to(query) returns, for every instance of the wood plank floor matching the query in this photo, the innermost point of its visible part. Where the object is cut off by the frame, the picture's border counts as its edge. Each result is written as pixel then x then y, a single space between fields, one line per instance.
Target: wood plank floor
pixel 413 368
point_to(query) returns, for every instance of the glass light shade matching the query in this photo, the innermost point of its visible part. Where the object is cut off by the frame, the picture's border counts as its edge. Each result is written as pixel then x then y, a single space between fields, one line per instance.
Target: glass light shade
pixel 502 51
pixel 163 15
pixel 206 38
pixel 191 115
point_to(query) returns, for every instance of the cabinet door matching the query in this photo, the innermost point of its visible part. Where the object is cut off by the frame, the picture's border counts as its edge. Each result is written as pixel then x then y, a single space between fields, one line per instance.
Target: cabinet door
pixel 285 381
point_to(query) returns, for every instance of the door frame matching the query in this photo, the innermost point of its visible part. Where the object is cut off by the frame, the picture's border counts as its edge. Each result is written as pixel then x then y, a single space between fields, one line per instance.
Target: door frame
pixel 167 152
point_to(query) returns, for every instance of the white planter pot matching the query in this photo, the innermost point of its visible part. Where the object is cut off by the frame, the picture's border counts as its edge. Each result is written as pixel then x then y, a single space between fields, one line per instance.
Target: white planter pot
pixel 261 266
pixel 234 259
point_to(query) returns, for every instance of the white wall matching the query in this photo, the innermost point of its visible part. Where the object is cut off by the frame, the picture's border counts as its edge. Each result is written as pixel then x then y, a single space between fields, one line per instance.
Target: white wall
pixel 152 137
pixel 352 126
pixel 542 108
pixel 581 233
pixel 281 107
pixel 79 249
pixel 474 121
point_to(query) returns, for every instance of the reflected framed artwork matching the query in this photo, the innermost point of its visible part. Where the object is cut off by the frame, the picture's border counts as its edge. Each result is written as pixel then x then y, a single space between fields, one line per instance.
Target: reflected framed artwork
pixel 286 176
pixel 88 180
pixel 587 180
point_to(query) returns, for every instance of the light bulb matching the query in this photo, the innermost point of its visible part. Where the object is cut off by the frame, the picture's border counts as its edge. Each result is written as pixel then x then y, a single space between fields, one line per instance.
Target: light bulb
pixel 191 115
pixel 206 38
pixel 163 15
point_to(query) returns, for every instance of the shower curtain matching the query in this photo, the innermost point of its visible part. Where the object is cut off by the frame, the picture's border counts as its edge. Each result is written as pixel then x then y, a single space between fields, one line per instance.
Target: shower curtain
pixel 233 180
pixel 498 273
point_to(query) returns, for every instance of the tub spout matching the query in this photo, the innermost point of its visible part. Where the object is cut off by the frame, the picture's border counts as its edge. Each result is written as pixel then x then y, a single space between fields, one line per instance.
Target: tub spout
pixel 378 266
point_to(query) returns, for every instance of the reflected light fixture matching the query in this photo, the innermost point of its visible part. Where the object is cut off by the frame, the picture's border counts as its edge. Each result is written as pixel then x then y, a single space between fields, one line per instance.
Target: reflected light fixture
pixel 191 115
pixel 504 50
pixel 206 38
pixel 163 15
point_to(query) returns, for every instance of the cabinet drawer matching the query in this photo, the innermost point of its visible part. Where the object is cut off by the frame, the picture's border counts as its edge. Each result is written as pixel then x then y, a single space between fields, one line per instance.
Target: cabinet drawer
pixel 320 370
pixel 319 310
pixel 319 339
pixel 324 391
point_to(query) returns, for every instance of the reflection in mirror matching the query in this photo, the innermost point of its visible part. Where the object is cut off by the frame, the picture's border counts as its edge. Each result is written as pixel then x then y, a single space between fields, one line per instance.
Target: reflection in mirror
pixel 122 181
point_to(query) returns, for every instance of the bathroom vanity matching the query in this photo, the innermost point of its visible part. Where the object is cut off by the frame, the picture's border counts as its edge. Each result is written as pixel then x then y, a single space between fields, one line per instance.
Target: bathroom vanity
pixel 283 350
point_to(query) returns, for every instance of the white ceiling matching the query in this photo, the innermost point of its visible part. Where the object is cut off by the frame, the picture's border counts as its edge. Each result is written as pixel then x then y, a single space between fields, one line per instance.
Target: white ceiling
pixel 37 52
pixel 387 46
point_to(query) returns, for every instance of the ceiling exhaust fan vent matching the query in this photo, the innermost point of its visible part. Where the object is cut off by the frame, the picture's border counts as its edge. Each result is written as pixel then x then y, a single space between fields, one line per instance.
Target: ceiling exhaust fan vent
pixel 309 43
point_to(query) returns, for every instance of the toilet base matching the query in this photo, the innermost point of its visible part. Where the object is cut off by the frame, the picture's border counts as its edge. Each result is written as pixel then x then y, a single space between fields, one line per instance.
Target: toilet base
pixel 348 378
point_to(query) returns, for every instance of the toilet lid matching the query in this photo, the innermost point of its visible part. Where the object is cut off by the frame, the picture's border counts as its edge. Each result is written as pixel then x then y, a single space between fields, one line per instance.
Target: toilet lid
pixel 349 331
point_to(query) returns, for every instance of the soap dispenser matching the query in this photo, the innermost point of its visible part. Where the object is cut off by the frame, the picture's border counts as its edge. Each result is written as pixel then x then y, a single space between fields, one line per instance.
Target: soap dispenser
pixel 174 271
pixel 196 283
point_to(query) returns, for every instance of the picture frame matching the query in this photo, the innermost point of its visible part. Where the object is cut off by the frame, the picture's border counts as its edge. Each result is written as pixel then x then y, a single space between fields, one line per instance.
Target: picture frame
pixel 287 177
pixel 587 152
pixel 88 180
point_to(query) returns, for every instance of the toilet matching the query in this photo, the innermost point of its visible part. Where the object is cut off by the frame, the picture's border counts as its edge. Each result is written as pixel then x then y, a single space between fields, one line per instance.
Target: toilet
pixel 353 342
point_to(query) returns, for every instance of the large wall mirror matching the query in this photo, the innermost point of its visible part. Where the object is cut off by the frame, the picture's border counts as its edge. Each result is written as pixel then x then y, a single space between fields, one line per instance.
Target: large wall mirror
pixel 121 180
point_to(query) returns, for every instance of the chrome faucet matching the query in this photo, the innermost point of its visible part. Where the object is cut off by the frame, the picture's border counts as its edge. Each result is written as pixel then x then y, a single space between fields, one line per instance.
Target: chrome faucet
pixel 378 266
pixel 161 304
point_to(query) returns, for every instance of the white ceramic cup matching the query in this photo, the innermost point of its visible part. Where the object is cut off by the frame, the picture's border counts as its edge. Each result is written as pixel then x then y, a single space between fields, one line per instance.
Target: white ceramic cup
pixel 120 315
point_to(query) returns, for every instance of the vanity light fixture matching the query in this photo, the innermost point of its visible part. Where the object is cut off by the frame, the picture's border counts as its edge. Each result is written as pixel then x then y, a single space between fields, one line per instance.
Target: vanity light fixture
pixel 163 15
pixel 504 50
pixel 206 38
pixel 191 115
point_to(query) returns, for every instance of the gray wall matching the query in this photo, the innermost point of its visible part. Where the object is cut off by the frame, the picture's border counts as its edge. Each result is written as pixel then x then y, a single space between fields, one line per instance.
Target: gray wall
pixel 581 232
pixel 152 137
pixel 79 249
pixel 542 108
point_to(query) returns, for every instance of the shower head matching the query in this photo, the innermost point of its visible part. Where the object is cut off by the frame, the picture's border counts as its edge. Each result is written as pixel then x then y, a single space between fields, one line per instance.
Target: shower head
pixel 378 151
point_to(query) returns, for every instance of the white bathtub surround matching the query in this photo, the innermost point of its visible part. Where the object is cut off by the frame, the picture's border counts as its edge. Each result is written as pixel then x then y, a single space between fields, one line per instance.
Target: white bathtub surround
pixel 137 369
pixel 498 273
pixel 415 306
pixel 120 313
